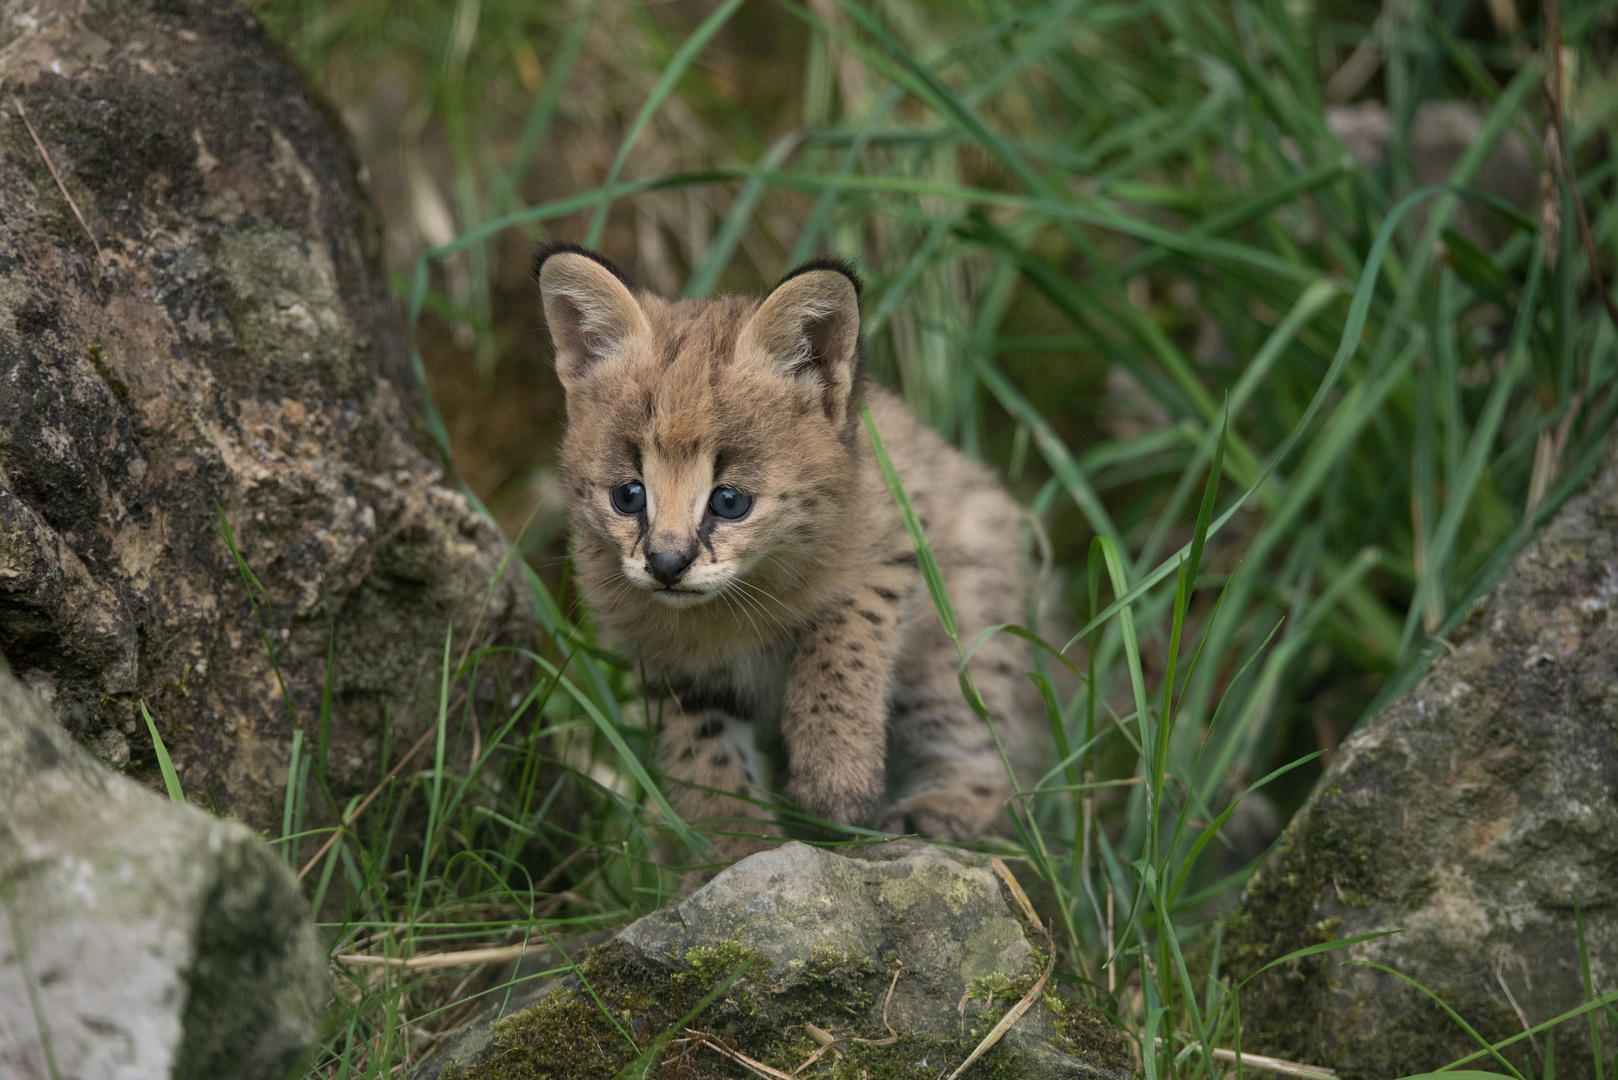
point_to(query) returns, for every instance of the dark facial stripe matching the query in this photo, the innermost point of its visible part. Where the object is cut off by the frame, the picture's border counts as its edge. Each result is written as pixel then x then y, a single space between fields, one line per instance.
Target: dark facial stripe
pixel 705 532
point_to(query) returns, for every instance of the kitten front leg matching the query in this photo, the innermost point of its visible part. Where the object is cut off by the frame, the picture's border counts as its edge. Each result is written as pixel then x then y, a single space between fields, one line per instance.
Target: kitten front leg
pixel 708 748
pixel 834 719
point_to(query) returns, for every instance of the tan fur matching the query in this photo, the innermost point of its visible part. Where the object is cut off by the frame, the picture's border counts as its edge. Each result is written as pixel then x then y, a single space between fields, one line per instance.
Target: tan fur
pixel 808 623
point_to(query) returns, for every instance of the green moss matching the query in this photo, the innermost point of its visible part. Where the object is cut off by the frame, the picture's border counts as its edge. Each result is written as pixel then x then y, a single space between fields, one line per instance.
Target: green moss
pixel 1083 1032
pixel 570 1035
pixel 1321 851
pixel 993 986
pixel 98 360
pixel 740 1012
pixel 565 1037
pixel 913 1056
pixel 1421 890
pixel 1000 994
pixel 839 981
pixel 764 1014
pixel 1078 1030
pixel 708 964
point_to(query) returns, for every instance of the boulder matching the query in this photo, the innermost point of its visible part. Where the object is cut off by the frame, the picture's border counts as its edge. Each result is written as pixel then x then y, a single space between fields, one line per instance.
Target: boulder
pixel 1478 816
pixel 139 940
pixel 195 334
pixel 915 949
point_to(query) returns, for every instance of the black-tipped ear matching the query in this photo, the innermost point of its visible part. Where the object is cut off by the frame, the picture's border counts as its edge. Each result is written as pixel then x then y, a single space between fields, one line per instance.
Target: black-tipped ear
pixel 827 262
pixel 589 307
pixel 808 329
pixel 558 247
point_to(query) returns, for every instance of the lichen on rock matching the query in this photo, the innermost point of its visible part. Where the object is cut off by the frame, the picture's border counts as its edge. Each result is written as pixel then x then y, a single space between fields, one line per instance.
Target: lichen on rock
pixel 814 940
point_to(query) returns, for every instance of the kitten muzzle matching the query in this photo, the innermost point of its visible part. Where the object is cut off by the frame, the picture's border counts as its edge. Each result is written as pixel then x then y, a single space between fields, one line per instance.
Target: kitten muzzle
pixel 667 566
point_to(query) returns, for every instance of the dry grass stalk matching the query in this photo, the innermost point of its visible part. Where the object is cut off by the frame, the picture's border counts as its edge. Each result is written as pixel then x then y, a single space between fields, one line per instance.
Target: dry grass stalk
pixel 751 1064
pixel 465 958
pixel 1015 1013
pixel 352 815
pixel 1277 1065
pixel 22 114
pixel 827 1042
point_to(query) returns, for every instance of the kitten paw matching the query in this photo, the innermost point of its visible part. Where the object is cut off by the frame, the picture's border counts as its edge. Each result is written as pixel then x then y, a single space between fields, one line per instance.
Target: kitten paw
pixel 844 800
pixel 958 813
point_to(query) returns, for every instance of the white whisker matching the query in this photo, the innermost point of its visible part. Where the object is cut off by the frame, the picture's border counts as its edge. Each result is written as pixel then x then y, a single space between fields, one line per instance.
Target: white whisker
pixel 747 603
pixel 757 603
pixel 782 604
pixel 728 597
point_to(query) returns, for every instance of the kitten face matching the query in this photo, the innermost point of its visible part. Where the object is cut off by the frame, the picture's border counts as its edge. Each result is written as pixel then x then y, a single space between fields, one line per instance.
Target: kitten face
pixel 685 452
pixel 708 447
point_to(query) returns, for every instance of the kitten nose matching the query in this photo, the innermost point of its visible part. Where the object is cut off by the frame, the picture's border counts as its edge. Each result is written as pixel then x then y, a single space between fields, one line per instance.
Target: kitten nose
pixel 667 566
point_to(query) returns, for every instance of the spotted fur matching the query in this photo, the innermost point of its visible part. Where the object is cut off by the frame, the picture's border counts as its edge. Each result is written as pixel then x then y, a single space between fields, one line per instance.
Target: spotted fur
pixel 805 625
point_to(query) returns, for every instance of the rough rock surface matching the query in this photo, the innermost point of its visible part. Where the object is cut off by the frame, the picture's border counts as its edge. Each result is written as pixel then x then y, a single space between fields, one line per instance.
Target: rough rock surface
pixel 216 332
pixel 138 939
pixel 1477 814
pixel 824 933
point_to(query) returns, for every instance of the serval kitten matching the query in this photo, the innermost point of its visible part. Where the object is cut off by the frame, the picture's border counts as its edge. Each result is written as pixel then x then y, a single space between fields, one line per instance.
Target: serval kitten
pixel 733 533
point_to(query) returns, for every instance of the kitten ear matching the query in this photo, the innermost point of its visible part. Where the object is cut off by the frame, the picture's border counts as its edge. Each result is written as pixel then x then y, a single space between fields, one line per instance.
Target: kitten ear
pixel 589 308
pixel 809 328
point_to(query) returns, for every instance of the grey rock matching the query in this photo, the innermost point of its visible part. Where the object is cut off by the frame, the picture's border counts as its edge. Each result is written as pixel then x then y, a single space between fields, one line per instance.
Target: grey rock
pixel 826 930
pixel 1440 133
pixel 1478 815
pixel 139 940
pixel 1364 129
pixel 216 333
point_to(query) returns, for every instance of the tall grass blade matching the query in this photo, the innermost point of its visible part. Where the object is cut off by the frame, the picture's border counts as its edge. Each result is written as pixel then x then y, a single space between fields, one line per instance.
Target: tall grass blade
pixel 165 764
pixel 930 572
pixel 1488 1047
pixel 1474 463
pixel 1589 991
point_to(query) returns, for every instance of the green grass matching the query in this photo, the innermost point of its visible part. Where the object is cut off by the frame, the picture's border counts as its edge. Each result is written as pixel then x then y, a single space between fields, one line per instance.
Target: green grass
pixel 1356 408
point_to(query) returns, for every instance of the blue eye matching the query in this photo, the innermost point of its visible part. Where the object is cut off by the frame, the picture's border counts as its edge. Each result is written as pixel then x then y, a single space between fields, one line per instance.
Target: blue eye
pixel 729 503
pixel 629 498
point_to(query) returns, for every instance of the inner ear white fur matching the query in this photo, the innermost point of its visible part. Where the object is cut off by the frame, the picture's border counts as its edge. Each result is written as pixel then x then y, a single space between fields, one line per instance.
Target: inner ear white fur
pixel 809 329
pixel 591 314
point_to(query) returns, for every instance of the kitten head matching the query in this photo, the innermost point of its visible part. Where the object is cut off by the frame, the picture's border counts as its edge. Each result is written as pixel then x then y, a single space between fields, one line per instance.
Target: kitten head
pixel 710 443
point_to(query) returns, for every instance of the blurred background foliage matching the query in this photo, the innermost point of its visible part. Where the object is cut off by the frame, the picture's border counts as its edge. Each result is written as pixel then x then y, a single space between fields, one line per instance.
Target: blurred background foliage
pixel 1092 230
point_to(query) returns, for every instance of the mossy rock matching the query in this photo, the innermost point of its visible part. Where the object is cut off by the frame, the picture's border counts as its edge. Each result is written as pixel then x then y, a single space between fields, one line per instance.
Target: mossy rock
pixel 147 939
pixel 812 938
pixel 1477 816
pixel 226 342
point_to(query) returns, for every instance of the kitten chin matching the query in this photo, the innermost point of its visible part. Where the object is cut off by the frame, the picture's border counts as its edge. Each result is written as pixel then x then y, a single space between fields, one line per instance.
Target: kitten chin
pixel 683 598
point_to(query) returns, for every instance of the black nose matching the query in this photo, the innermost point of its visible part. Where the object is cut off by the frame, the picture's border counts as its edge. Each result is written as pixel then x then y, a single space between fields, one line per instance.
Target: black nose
pixel 667 566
